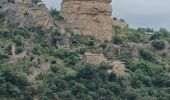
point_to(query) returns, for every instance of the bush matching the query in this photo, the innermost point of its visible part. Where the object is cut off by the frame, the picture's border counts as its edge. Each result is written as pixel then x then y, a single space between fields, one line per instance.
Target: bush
pixel 145 54
pixel 117 40
pixel 134 37
pixel 56 14
pixel 161 34
pixel 158 44
pixel 2 17
pixel 36 1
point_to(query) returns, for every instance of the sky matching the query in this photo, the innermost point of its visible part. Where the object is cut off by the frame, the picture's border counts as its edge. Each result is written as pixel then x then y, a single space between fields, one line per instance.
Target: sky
pixel 137 13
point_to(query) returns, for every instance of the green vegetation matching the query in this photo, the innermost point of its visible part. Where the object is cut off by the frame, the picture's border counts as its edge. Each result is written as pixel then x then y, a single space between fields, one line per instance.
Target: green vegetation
pixel 161 34
pixel 68 78
pixel 145 54
pixel 36 1
pixel 56 14
pixel 158 44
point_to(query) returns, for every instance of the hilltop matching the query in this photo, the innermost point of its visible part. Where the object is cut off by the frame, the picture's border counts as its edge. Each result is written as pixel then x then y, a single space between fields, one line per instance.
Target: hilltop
pixel 42 57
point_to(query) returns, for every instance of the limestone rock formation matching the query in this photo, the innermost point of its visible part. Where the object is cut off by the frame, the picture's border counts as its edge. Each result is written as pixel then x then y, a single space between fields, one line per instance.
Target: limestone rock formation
pixel 89 17
pixel 118 68
pixel 25 13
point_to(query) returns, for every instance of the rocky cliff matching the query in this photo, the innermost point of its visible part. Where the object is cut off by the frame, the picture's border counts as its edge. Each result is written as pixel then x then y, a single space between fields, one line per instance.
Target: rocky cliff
pixel 24 13
pixel 89 17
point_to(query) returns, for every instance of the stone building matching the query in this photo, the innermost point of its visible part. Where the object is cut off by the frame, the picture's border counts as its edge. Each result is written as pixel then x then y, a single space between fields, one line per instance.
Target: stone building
pixel 93 58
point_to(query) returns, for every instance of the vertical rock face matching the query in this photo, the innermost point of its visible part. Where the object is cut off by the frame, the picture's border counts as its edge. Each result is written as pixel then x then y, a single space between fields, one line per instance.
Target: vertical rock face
pixel 89 17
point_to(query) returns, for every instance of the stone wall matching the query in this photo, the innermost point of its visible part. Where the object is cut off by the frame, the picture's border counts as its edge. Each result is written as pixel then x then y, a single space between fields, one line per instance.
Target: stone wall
pixel 89 17
pixel 94 58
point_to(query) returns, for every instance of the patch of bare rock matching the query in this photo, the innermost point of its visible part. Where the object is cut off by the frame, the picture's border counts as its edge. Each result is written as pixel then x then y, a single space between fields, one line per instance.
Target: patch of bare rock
pixel 25 13
pixel 89 17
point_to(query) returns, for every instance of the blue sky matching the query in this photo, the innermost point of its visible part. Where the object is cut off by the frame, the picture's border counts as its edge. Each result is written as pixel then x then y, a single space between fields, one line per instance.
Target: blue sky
pixel 138 13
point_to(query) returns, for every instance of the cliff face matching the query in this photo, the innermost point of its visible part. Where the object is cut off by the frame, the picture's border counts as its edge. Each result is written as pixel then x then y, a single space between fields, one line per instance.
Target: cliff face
pixel 24 13
pixel 89 17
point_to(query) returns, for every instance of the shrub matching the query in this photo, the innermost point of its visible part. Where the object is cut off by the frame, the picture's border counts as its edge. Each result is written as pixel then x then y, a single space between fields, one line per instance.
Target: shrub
pixel 2 17
pixel 158 44
pixel 161 34
pixel 117 40
pixel 145 54
pixel 134 37
pixel 56 14
pixel 36 1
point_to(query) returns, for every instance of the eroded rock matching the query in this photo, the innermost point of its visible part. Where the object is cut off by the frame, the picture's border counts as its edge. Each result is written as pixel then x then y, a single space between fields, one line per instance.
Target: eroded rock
pixel 24 13
pixel 118 68
pixel 89 17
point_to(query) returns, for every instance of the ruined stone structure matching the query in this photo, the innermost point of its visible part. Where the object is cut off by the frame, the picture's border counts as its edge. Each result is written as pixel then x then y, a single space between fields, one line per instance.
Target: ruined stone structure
pixel 15 57
pixel 24 13
pixel 89 17
pixel 94 58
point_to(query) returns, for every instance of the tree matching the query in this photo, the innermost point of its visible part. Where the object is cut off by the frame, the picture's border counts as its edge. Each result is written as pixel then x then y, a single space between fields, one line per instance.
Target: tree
pixel 121 20
pixel 36 1
pixel 114 18
pixel 145 54
pixel 158 44
pixel 117 40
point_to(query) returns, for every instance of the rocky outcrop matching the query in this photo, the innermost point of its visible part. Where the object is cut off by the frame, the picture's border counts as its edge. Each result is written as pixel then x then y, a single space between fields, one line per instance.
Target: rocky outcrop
pixel 118 68
pixel 89 17
pixel 24 13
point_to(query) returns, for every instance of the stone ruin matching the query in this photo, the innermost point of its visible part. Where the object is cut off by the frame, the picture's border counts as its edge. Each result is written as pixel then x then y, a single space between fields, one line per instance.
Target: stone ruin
pixel 15 57
pixel 89 17
pixel 94 58
pixel 97 58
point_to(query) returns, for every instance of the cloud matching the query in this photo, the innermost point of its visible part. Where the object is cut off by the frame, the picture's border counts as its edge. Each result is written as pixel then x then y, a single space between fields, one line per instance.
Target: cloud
pixel 138 13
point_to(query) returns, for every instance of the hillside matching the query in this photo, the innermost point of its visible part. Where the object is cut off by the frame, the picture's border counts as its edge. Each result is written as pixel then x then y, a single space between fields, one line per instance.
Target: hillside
pixel 45 60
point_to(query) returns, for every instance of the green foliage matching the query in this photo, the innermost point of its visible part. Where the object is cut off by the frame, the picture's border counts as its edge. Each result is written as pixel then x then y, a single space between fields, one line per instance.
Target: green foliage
pixel 71 79
pixel 56 14
pixel 78 40
pixel 146 55
pixel 161 34
pixel 117 40
pixel 158 44
pixel 36 1
pixel 121 20
pixel 2 17
pixel 136 37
